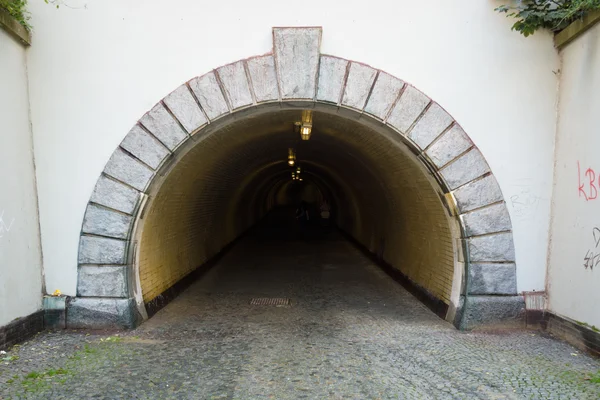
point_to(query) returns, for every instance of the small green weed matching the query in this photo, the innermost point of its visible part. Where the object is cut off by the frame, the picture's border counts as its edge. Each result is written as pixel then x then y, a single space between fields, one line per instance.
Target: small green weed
pixel 33 375
pixel 59 371
pixel 595 378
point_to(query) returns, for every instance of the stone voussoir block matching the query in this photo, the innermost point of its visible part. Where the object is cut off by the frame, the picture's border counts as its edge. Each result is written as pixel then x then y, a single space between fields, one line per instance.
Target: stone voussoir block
pixel 408 108
pixel 384 94
pixel 113 194
pixel 430 126
pixel 496 247
pixel 234 80
pixel 207 90
pixel 127 169
pixel 478 194
pixel 264 80
pixel 467 168
pixel 297 52
pixel 492 279
pixel 449 146
pixel 100 250
pixel 100 313
pixel 163 126
pixel 358 85
pixel 102 281
pixel 494 218
pixel 145 147
pixel 332 72
pixel 106 222
pixel 183 105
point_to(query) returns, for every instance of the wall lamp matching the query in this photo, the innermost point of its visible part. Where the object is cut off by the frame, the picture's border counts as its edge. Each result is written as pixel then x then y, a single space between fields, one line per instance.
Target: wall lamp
pixel 306 124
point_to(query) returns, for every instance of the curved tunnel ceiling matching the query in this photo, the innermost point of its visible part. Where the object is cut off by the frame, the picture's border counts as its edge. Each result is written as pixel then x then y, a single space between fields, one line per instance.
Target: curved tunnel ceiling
pixel 219 187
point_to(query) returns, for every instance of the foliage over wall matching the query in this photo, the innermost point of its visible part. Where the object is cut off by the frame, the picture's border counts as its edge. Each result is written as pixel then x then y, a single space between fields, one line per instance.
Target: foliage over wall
pixel 555 15
pixel 18 10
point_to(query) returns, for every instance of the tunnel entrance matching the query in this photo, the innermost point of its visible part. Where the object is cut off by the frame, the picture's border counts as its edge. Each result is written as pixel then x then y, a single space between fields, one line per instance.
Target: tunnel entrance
pixel 211 160
pixel 229 180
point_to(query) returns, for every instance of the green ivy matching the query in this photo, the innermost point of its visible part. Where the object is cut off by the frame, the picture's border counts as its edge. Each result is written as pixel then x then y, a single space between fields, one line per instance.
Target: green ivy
pixel 554 15
pixel 18 10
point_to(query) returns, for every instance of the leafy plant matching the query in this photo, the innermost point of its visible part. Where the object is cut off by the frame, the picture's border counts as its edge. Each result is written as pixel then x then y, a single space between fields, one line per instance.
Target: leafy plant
pixel 18 10
pixel 554 15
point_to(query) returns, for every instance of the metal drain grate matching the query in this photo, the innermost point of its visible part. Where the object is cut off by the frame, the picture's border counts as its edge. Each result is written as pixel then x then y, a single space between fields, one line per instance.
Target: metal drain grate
pixel 270 301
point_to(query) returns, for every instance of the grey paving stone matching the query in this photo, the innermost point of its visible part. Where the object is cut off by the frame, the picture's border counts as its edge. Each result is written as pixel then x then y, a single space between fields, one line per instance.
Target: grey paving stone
pixel 408 108
pixel 208 92
pixel 128 170
pixel 351 332
pixel 468 167
pixel 145 147
pixel 359 83
pixel 102 281
pixel 186 110
pixel 449 146
pixel 164 127
pixel 235 83
pixel 264 79
pixel 104 222
pixel 297 58
pixel 99 250
pixel 430 126
pixel 332 72
pixel 115 195
pixel 385 92
pixel 490 219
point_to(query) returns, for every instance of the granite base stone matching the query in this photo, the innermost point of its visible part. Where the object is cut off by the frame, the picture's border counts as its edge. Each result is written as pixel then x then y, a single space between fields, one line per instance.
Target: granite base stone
pixel 490 312
pixel 101 313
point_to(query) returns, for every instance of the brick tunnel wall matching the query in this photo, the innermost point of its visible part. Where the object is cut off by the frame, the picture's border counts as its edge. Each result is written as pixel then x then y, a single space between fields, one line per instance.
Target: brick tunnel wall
pixel 226 183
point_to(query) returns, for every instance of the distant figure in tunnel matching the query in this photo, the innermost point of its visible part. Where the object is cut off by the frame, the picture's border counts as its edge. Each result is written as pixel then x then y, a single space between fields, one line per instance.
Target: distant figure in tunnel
pixel 302 214
pixel 325 213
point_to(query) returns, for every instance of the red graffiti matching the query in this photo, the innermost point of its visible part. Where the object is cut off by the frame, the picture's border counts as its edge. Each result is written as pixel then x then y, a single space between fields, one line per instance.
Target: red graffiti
pixel 588 183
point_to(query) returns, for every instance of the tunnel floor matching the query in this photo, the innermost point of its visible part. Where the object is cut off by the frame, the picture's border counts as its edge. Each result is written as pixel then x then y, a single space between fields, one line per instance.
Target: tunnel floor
pixel 351 332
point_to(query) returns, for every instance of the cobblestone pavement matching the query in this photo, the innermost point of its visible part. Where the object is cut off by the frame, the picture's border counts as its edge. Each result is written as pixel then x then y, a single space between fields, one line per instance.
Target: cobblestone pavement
pixel 351 333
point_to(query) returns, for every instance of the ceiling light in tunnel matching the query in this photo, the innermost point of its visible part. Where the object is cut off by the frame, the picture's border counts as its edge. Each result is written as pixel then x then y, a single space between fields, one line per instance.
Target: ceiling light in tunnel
pixel 306 127
pixel 298 170
pixel 291 157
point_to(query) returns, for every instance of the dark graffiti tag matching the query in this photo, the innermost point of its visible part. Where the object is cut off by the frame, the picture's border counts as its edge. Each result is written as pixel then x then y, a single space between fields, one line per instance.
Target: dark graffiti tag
pixel 592 257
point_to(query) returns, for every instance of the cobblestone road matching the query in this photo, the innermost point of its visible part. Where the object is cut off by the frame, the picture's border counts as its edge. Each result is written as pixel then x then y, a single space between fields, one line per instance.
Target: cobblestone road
pixel 351 333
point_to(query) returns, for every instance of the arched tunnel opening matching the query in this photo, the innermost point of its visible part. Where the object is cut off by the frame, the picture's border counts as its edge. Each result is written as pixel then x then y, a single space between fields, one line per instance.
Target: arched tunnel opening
pixel 234 181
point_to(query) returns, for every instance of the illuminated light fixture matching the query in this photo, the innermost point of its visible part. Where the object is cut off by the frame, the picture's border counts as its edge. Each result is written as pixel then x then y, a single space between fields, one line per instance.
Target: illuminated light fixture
pixel 306 125
pixel 291 157
pixel 298 170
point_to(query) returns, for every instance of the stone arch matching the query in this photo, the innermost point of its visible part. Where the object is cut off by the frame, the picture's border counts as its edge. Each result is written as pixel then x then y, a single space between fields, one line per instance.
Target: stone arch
pixel 294 75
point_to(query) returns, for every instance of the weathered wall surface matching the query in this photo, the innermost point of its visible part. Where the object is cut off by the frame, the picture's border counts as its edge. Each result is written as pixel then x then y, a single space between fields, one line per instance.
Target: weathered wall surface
pixel 574 262
pixel 20 250
pixel 95 70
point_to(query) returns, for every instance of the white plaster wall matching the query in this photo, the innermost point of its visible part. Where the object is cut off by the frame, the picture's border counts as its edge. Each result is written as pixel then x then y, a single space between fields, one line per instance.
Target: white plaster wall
pixel 20 250
pixel 98 65
pixel 574 290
